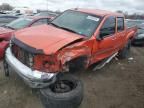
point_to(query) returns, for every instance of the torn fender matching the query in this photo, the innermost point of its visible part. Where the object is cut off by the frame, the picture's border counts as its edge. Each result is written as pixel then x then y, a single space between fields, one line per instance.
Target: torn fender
pixel 74 52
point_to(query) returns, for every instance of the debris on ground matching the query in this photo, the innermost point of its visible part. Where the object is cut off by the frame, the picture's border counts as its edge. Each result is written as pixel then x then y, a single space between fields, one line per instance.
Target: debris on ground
pixel 130 58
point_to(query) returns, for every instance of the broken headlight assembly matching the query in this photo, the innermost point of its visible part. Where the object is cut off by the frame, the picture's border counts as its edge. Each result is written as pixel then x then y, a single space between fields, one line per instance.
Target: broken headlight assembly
pixel 46 63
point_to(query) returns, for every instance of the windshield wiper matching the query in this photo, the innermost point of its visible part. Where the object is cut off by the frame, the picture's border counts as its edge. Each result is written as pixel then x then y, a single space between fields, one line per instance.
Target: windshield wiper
pixel 70 30
pixel 55 25
pixel 73 31
pixel 63 27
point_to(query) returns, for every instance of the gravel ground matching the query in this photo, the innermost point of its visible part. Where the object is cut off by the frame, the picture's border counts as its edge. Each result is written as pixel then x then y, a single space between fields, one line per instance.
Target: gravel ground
pixel 120 84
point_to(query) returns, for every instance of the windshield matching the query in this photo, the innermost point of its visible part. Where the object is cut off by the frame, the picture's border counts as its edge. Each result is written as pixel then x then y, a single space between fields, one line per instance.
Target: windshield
pixel 77 22
pixel 19 23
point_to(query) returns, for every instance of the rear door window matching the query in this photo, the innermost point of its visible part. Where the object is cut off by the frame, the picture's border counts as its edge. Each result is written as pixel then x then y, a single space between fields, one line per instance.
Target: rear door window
pixel 120 24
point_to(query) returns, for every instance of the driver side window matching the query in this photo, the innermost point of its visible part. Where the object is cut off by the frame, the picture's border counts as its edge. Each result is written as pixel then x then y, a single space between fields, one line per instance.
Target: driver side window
pixel 108 27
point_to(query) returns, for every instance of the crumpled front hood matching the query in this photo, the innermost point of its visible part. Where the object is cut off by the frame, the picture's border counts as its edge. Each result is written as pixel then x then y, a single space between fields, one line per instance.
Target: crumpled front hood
pixel 46 38
pixel 5 30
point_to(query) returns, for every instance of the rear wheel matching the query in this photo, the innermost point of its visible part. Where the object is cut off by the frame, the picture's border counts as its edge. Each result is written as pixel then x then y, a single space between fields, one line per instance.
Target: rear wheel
pixel 125 51
pixel 66 92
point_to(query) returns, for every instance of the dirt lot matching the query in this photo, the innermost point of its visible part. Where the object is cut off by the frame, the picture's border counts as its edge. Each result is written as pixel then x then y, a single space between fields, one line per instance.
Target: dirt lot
pixel 120 84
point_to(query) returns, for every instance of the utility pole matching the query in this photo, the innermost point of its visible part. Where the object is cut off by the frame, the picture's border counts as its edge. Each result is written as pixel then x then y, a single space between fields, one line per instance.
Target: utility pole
pixel 47 8
pixel 47 5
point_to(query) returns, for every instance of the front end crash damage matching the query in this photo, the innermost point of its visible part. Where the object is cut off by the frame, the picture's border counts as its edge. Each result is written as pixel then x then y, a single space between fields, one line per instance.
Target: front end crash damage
pixel 46 63
pixel 75 57
pixel 60 59
pixel 43 68
pixel 63 59
pixel 46 68
pixel 3 46
pixel 34 78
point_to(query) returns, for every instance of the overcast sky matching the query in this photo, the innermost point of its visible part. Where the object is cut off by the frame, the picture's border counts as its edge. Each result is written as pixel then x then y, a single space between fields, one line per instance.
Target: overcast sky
pixel 113 5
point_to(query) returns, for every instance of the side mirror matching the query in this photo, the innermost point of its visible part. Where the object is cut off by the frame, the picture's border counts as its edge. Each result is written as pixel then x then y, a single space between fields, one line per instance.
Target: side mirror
pixel 99 38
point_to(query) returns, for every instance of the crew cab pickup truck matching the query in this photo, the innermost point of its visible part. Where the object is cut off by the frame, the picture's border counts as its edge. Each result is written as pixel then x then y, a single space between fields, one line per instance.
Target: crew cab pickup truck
pixel 7 30
pixel 75 39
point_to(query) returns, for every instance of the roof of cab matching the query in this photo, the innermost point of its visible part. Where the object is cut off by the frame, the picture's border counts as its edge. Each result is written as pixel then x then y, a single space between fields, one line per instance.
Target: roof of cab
pixel 98 12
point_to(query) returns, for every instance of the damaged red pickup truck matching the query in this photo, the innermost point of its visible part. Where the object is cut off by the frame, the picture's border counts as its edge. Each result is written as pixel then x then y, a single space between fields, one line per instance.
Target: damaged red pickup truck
pixel 75 39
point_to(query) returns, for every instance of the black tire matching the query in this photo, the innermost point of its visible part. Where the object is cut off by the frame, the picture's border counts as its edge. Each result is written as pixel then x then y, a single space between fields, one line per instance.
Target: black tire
pixel 6 68
pixel 125 51
pixel 70 99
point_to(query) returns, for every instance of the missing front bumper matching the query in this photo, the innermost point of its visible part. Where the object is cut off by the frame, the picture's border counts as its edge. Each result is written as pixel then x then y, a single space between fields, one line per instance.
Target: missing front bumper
pixel 34 78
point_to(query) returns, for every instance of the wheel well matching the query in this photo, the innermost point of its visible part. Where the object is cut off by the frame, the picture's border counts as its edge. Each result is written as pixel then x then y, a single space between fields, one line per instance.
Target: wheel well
pixel 131 38
pixel 78 63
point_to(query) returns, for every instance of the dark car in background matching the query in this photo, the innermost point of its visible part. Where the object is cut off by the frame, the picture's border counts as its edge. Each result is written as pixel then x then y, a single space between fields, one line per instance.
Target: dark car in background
pixel 2 13
pixel 5 19
pixel 131 23
pixel 139 39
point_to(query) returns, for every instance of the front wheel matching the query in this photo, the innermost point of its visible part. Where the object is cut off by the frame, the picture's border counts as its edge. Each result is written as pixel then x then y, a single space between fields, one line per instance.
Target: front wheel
pixel 66 92
pixel 6 68
pixel 125 51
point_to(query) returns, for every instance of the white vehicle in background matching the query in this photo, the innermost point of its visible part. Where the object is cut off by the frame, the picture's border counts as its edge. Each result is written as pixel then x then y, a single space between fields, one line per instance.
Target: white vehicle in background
pixel 23 11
